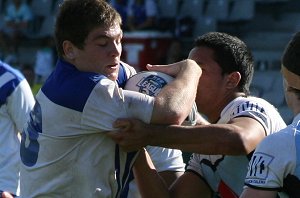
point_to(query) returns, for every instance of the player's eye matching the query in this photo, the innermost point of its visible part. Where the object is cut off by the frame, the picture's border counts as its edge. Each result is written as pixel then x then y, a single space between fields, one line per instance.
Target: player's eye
pixel 102 42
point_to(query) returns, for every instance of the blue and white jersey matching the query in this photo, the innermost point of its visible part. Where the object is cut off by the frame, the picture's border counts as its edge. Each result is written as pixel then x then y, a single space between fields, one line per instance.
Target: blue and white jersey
pixel 275 164
pixel 64 149
pixel 230 171
pixel 16 101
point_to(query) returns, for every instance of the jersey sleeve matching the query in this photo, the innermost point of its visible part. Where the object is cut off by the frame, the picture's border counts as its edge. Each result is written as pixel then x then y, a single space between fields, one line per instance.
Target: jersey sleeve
pixel 258 109
pixel 108 102
pixel 271 162
pixel 20 103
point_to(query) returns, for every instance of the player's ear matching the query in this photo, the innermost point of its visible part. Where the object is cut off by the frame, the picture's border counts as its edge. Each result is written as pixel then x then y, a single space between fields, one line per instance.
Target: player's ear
pixel 69 49
pixel 233 80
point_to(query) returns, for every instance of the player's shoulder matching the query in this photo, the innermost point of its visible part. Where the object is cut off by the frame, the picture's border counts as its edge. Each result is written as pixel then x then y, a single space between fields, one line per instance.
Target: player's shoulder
pixel 11 72
pixel 281 141
pixel 253 103
pixel 129 70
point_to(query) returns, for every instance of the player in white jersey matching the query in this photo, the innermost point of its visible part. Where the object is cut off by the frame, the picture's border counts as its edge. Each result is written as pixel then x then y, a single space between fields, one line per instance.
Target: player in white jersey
pixel 64 149
pixel 224 172
pixel 16 101
pixel 275 164
pixel 222 145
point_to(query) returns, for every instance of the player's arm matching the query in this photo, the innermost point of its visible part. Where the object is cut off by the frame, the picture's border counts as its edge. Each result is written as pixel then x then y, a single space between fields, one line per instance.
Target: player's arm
pixel 251 192
pixel 170 176
pixel 149 182
pixel 240 136
pixel 7 195
pixel 190 185
pixel 174 102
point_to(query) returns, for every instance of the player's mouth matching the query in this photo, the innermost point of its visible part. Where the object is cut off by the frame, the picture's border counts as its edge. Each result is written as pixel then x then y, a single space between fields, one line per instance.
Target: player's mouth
pixel 112 67
pixel 112 70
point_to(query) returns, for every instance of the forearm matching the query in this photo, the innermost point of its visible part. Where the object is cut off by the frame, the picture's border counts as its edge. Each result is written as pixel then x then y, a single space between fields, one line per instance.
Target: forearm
pixel 149 182
pixel 198 139
pixel 174 102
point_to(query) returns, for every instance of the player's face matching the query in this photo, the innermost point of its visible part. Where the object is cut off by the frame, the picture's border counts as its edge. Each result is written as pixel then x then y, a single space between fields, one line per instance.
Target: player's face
pixel 101 52
pixel 211 86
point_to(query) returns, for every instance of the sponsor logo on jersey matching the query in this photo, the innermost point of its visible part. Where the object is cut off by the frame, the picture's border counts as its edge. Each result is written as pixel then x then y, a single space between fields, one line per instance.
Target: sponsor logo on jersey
pixel 257 171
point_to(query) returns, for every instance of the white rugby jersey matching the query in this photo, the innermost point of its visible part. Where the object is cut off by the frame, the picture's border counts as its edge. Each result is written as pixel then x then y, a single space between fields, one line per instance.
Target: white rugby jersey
pixel 218 170
pixel 64 149
pixel 16 101
pixel 275 160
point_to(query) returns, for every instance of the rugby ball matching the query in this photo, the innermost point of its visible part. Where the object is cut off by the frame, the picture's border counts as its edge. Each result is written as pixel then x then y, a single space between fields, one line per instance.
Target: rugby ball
pixel 150 83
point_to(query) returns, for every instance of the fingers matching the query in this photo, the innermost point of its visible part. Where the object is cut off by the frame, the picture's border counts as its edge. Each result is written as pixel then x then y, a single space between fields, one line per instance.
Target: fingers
pixel 175 68
pixel 127 135
pixel 6 195
pixel 171 69
pixel 122 123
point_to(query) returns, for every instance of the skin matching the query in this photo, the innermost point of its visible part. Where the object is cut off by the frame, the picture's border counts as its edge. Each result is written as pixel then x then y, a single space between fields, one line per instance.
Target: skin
pixel 6 195
pixel 238 137
pixel 101 53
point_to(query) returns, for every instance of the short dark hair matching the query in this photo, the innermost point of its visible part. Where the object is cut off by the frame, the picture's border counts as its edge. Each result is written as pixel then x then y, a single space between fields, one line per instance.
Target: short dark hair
pixel 77 18
pixel 232 54
pixel 291 55
pixel 291 58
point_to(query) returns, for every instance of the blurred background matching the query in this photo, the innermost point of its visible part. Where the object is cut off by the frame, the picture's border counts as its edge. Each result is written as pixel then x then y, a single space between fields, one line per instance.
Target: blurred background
pixel 160 32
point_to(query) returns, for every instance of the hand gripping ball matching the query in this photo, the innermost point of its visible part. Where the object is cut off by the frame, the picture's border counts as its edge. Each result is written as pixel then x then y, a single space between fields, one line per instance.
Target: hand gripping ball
pixel 150 83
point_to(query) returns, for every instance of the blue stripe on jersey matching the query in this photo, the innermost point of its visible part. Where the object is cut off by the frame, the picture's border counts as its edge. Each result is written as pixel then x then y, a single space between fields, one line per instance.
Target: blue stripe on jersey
pixel 122 77
pixel 128 174
pixel 10 78
pixel 123 186
pixel 249 105
pixel 69 87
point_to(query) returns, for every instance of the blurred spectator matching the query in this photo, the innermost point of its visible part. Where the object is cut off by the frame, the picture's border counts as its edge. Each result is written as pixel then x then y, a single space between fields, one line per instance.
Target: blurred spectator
pixel 17 17
pixel 28 72
pixel 121 6
pixel 44 61
pixel 141 14
pixel 10 55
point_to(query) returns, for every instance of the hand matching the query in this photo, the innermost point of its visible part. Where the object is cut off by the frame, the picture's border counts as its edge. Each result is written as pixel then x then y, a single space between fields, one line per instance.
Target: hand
pixel 6 195
pixel 131 134
pixel 176 68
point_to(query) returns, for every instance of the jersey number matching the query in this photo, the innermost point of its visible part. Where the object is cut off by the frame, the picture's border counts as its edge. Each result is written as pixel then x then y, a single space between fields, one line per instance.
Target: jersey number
pixel 29 144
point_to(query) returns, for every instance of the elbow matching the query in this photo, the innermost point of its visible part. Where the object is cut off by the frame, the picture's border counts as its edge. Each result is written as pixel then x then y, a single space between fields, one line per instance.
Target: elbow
pixel 235 144
pixel 243 145
pixel 174 117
